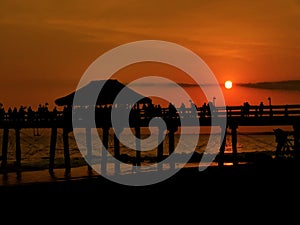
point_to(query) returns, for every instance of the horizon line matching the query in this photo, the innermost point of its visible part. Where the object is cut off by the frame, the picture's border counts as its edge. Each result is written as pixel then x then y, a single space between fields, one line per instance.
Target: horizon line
pixel 280 84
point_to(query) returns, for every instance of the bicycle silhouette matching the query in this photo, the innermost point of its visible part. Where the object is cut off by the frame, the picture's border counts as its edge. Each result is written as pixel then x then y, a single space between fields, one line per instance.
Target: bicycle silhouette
pixel 285 147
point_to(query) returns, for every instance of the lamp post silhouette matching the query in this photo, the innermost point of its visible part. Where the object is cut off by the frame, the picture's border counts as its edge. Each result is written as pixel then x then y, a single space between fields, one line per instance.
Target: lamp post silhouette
pixel 270 104
pixel 269 98
pixel 214 101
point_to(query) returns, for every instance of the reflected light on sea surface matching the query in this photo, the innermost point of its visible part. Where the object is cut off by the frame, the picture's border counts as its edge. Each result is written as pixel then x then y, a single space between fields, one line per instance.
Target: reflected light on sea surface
pixel 238 95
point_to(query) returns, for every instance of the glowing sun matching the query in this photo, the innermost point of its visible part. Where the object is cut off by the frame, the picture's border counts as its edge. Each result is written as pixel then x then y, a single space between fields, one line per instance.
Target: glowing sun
pixel 228 84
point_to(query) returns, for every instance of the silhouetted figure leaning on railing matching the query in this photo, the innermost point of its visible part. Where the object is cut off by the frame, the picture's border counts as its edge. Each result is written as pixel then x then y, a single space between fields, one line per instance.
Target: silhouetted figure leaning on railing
pixel 284 147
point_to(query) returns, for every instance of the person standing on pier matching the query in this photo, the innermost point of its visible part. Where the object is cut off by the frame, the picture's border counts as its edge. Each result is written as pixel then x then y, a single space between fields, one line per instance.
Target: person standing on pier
pixel 2 112
pixel 261 108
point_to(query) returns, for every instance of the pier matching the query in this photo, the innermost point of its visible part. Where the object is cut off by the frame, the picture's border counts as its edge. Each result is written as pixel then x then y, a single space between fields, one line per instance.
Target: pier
pixel 236 116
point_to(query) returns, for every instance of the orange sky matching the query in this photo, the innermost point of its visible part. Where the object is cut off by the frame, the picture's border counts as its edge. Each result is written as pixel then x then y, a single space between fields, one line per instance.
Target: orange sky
pixel 47 45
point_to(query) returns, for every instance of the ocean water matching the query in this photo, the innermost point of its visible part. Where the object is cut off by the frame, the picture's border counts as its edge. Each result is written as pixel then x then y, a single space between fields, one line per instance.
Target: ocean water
pixel 35 148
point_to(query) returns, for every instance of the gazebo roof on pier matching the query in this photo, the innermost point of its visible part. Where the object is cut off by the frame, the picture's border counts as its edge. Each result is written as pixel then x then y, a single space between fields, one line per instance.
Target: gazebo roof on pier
pixel 109 92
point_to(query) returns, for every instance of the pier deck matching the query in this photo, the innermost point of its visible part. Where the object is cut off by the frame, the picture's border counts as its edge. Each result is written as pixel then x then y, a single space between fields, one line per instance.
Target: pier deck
pixel 235 116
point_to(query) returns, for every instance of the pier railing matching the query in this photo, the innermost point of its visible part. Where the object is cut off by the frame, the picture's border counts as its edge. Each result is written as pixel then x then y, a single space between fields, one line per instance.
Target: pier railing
pixel 288 114
pixel 235 116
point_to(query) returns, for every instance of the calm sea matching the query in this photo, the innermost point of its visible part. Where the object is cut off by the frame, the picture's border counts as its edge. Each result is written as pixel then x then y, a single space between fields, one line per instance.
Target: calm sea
pixel 235 96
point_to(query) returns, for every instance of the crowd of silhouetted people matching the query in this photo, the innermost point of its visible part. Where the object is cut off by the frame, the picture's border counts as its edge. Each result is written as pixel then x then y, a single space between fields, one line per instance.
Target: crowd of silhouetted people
pixel 144 111
pixel 28 114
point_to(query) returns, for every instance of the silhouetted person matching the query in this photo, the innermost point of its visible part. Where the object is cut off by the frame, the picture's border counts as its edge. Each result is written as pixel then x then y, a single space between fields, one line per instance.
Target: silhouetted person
pixel 246 109
pixel 182 110
pixel 14 114
pixel 149 111
pixel 21 113
pixel 172 112
pixel 211 109
pixel 204 109
pixel 193 109
pixel 30 114
pixel 2 112
pixel 67 112
pixel 158 110
pixel 9 113
pixel 54 113
pixel 261 108
pixel 281 139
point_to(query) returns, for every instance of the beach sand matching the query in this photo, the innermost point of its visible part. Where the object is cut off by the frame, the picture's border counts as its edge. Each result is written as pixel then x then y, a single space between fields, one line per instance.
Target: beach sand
pixel 270 176
pixel 246 192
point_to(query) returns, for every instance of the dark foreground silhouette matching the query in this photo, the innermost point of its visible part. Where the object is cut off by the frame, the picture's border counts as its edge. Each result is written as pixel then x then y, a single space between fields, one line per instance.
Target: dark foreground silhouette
pixel 245 193
pixel 278 177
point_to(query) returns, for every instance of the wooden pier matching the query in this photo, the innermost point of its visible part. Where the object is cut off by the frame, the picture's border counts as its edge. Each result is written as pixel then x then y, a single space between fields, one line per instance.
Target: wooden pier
pixel 272 115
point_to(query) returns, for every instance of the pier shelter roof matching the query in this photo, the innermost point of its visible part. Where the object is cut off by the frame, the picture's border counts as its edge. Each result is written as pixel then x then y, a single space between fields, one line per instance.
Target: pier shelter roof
pixel 109 91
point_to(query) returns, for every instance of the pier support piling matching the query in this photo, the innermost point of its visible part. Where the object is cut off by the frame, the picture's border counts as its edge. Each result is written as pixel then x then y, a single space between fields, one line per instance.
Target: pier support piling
pixel 66 151
pixel 18 148
pixel 222 147
pixel 138 146
pixel 104 150
pixel 234 143
pixel 53 140
pixel 4 149
pixel 117 153
pixel 171 146
pixel 160 148
pixel 172 127
pixel 88 140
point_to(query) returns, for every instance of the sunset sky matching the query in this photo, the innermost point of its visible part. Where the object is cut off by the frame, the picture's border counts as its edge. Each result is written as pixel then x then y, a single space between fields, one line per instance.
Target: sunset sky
pixel 45 46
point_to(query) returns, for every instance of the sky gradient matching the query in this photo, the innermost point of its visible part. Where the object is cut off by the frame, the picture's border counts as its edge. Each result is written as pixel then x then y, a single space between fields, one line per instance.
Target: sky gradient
pixel 47 45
